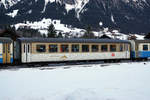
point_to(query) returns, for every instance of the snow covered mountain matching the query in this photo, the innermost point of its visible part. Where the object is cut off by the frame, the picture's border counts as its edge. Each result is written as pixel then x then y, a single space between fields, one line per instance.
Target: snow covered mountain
pixel 129 16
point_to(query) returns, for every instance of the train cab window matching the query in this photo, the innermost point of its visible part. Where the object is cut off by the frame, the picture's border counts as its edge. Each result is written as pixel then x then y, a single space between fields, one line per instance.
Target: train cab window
pixel 64 48
pixel 75 48
pixel 121 48
pixel 85 48
pixel 104 48
pixel 112 48
pixel 95 48
pixel 145 47
pixel 41 48
pixel 53 48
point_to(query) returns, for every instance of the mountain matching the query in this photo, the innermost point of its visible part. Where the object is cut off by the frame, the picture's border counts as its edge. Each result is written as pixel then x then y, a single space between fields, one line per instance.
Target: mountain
pixel 129 16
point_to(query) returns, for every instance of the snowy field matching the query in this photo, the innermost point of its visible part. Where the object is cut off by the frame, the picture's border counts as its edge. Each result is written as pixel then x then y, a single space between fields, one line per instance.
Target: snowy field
pixel 78 82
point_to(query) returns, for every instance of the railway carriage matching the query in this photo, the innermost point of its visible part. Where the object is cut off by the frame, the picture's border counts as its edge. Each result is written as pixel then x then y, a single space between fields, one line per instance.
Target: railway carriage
pixel 57 50
pixel 6 50
pixel 140 49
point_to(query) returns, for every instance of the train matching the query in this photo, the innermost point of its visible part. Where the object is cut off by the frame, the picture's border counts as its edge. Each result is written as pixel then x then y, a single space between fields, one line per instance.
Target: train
pixel 42 50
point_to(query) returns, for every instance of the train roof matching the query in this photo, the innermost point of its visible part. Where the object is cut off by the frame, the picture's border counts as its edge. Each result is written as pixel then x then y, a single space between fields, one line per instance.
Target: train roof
pixel 5 40
pixel 142 41
pixel 71 40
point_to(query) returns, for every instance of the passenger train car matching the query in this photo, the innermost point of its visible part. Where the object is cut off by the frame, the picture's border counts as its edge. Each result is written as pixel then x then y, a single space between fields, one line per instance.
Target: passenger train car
pixel 37 50
pixel 32 50
pixel 6 50
pixel 140 49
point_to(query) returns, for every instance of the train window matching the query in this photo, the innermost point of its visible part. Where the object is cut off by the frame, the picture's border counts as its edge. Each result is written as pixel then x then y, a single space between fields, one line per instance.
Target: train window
pixel 85 48
pixel 104 48
pixel 112 48
pixel 53 48
pixel 24 48
pixel 145 47
pixel 28 48
pixel 40 48
pixel 8 48
pixel 126 47
pixel 121 47
pixel 75 48
pixel 64 48
pixel 4 48
pixel 95 48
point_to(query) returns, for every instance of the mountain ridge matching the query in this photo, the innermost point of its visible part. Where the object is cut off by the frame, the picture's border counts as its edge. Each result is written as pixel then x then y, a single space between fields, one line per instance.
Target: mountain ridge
pixel 129 16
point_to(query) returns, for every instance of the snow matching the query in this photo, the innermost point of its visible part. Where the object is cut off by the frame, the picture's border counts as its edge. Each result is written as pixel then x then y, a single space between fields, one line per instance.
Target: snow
pixel 13 14
pixel 8 3
pixel 69 7
pixel 44 23
pixel 124 81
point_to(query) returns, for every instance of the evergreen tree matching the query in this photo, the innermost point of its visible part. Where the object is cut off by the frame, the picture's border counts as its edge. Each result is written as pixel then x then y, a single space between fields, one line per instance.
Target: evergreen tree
pixel 44 35
pixel 28 32
pixel 60 35
pixel 88 33
pixel 51 31
pixel 147 36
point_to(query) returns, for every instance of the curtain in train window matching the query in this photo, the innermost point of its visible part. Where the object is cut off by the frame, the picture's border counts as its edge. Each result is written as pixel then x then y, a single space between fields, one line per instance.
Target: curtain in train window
pixel 85 48
pixel 95 48
pixel 75 48
pixel 64 48
pixel 40 48
pixel 53 48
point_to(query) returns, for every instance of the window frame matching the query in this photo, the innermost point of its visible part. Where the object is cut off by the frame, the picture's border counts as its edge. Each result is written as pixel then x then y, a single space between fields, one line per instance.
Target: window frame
pixel 41 45
pixel 97 49
pixel 102 50
pixel 54 50
pixel 78 49
pixel 143 47
pixel 88 49
pixel 112 49
pixel 61 49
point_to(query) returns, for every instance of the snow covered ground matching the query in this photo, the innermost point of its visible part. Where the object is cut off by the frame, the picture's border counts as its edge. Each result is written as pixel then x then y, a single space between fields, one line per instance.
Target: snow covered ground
pixel 125 81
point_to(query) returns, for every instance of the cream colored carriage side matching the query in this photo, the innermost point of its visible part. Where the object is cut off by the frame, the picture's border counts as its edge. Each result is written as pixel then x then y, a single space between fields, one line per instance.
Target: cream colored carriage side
pixel 58 50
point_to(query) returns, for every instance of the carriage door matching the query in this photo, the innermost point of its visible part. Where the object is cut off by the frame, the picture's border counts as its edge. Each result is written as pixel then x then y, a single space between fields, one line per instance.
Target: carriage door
pixel 6 53
pixel 27 52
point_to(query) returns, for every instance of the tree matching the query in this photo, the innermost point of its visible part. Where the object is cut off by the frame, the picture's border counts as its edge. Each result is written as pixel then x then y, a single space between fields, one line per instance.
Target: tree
pixel 88 33
pixel 44 35
pixel 59 35
pixel 28 32
pixel 51 31
pixel 147 36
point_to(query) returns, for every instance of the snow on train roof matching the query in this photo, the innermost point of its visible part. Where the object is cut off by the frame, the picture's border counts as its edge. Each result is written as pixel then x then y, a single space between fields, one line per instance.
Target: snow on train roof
pixel 71 40
pixel 5 40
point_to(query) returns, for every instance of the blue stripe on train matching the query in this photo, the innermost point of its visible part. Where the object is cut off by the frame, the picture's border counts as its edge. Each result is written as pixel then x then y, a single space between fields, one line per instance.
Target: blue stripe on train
pixel 144 54
pixel 1 60
pixel 11 60
pixel 141 54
